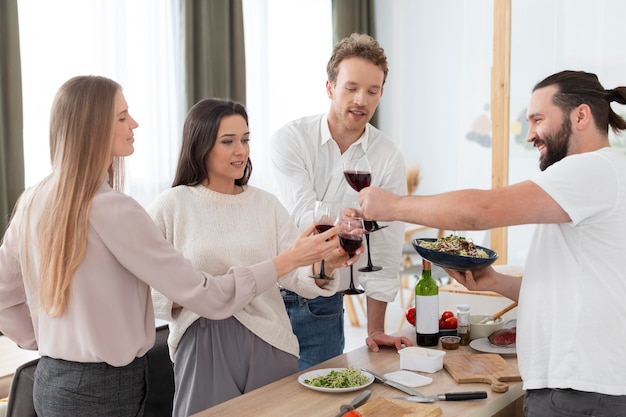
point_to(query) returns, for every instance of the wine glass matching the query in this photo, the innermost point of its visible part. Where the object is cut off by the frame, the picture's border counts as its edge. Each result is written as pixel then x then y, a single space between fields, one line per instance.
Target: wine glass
pixel 351 238
pixel 369 228
pixel 358 174
pixel 325 216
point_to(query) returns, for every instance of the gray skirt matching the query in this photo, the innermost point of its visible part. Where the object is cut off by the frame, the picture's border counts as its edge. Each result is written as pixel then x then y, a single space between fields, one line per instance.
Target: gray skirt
pixel 217 360
pixel 64 388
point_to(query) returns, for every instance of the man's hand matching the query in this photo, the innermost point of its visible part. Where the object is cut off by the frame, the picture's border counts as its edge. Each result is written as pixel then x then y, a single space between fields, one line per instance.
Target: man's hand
pixel 488 279
pixel 375 203
pixel 377 339
pixel 483 279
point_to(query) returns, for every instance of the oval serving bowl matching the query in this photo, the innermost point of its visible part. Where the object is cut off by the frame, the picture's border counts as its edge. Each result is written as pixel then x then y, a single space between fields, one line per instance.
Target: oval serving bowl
pixel 452 261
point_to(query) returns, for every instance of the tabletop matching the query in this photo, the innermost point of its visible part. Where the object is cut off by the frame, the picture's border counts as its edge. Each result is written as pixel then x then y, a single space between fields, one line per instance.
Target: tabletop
pixel 287 397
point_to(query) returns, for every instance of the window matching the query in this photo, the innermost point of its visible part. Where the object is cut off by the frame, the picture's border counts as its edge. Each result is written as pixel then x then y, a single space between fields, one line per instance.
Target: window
pixel 288 43
pixel 133 43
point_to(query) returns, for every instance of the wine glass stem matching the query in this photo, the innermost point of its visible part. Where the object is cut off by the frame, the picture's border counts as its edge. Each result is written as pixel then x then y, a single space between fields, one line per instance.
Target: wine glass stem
pixel 322 273
pixel 351 278
pixel 369 257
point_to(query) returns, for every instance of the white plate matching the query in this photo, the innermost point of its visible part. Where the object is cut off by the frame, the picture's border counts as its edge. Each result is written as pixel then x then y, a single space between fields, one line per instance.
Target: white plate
pixel 320 372
pixel 410 379
pixel 483 345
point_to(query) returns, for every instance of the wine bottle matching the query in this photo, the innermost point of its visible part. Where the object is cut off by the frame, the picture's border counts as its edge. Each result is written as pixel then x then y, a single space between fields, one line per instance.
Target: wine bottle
pixel 426 308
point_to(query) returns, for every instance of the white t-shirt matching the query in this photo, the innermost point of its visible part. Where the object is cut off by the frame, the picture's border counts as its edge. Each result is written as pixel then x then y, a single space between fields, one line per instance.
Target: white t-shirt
pixel 572 304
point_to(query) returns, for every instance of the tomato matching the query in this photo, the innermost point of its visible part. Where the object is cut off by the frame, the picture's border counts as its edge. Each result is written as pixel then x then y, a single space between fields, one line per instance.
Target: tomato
pixel 352 413
pixel 410 315
pixel 442 324
pixel 447 314
pixel 450 323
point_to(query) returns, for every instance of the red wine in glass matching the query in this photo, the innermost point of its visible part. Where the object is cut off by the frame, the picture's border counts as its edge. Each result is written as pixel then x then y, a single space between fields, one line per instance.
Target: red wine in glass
pixel 324 216
pixel 350 239
pixel 350 243
pixel 358 179
pixel 321 228
pixel 359 175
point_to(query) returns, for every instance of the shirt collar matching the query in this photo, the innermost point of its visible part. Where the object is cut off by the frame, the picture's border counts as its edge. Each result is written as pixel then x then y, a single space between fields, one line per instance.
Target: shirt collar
pixel 326 136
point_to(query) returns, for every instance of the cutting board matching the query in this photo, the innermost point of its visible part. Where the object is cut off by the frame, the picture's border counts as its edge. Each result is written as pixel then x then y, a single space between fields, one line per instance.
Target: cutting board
pixel 483 367
pixel 389 407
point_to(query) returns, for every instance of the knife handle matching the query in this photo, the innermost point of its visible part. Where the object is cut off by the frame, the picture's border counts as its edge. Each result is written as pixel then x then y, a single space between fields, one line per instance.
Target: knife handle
pixel 460 396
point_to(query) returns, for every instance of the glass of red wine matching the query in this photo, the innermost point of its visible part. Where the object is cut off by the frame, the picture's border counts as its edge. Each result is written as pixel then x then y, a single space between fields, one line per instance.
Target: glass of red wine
pixel 325 216
pixel 351 238
pixel 358 174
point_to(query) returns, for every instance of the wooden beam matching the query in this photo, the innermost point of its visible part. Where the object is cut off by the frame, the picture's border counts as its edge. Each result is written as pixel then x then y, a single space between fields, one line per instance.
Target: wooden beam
pixel 500 112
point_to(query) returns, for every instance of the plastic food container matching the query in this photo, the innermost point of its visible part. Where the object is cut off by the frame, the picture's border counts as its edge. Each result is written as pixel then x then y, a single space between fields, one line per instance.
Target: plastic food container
pixel 415 358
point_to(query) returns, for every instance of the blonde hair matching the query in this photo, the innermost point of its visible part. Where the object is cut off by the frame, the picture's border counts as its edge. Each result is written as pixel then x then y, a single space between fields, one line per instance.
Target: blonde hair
pixel 81 134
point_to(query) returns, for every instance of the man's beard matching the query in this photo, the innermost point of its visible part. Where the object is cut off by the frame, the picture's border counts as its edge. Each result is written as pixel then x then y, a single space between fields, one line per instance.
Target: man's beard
pixel 557 145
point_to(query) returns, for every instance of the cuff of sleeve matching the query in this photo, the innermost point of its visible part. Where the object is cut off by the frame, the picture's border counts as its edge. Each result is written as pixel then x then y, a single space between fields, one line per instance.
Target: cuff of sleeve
pixel 162 306
pixel 381 289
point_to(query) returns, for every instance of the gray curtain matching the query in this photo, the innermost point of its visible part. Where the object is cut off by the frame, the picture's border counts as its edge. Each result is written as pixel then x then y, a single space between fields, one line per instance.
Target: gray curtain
pixel 11 122
pixel 351 16
pixel 213 50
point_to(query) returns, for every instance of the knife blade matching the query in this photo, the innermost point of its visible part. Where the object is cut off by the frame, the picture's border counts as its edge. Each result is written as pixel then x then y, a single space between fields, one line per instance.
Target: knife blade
pixel 448 396
pixel 358 401
pixel 393 384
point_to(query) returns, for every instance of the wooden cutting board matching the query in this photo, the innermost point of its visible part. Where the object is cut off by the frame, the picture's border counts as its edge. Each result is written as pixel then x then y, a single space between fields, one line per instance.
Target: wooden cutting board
pixel 490 368
pixel 389 407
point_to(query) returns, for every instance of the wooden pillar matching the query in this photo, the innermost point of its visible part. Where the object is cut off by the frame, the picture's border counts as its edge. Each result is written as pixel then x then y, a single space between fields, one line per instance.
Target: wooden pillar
pixel 500 103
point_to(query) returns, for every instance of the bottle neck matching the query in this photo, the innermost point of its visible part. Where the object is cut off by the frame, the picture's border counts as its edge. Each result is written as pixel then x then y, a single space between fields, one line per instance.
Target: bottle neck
pixel 426 271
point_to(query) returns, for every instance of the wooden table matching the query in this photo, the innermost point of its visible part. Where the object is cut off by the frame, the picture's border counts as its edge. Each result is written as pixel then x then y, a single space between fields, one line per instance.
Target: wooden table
pixel 286 397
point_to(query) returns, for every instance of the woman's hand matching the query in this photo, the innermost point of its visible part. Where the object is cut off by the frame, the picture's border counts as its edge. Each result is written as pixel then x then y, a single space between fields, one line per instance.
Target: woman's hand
pixel 307 249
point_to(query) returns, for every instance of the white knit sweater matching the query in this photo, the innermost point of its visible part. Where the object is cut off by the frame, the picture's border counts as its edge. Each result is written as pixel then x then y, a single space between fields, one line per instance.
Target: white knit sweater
pixel 218 231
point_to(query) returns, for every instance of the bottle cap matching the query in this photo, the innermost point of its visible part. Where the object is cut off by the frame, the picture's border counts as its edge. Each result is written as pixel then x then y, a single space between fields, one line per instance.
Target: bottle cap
pixel 463 307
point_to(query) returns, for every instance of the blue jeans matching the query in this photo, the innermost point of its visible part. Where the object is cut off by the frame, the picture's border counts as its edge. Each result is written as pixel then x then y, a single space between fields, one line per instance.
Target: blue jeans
pixel 318 325
pixel 571 403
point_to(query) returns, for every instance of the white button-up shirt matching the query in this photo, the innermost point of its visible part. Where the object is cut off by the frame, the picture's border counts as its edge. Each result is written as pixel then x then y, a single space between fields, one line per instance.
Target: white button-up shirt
pixel 308 166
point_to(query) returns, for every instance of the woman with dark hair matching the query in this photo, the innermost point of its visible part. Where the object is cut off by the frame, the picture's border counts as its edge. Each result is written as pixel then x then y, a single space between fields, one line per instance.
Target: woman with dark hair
pixel 213 217
pixel 79 258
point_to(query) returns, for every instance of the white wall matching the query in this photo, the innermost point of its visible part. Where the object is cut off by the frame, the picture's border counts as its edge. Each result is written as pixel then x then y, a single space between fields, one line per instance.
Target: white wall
pixel 438 89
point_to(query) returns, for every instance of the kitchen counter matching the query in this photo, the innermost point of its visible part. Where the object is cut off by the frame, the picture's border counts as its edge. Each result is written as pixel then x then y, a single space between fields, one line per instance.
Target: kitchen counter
pixel 286 397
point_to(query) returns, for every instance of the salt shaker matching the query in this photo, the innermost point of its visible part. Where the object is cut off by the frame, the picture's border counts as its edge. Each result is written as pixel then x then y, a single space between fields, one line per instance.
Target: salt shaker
pixel 463 323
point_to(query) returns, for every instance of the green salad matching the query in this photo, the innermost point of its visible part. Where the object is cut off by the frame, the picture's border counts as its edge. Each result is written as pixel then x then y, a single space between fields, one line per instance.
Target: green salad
pixel 346 378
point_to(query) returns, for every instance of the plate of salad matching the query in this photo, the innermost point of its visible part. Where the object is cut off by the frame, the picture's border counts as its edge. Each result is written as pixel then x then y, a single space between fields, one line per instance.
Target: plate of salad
pixel 336 379
pixel 454 252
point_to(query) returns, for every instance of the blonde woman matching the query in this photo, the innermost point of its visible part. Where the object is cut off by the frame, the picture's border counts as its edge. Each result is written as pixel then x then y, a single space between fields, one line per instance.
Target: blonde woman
pixel 79 258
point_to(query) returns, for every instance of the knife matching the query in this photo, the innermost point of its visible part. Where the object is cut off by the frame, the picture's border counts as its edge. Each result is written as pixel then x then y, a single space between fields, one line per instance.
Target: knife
pixel 393 384
pixel 359 400
pixel 449 396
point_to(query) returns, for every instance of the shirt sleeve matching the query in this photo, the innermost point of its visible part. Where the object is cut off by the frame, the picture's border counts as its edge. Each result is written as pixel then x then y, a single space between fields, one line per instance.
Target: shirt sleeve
pixel 294 175
pixel 589 172
pixel 15 318
pixel 386 244
pixel 146 254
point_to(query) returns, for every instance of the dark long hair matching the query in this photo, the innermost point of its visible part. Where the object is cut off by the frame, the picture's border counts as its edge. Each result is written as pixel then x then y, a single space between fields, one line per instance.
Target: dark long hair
pixel 579 87
pixel 199 135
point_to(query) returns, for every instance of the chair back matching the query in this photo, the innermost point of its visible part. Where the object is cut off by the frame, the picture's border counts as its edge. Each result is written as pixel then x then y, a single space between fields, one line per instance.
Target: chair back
pixel 21 392
pixel 160 377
